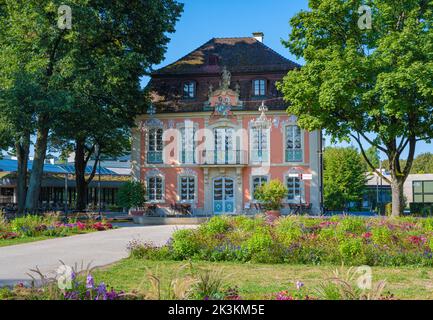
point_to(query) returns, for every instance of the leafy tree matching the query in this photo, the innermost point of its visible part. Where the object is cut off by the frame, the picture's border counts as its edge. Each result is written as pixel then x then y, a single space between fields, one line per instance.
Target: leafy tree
pixel 91 69
pixel 18 101
pixel 373 156
pixel 272 194
pixel 423 163
pixel 344 177
pixel 131 195
pixel 372 85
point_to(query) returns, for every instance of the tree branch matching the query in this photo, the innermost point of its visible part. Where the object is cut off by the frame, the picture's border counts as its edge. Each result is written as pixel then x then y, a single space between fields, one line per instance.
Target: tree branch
pixel 358 140
pixel 371 142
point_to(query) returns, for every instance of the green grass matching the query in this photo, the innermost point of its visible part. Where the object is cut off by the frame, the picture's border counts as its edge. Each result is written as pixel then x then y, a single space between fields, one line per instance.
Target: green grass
pixel 22 240
pixel 12 242
pixel 257 281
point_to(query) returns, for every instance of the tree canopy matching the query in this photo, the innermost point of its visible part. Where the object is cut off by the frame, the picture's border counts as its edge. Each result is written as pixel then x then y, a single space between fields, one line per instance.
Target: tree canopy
pixel 371 85
pixel 86 78
pixel 344 177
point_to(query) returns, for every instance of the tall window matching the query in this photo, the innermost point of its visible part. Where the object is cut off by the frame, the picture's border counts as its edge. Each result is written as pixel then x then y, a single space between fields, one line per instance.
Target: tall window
pixel 423 191
pixel 259 144
pixel 155 187
pixel 258 181
pixel 187 147
pixel 155 146
pixel 189 90
pixel 225 152
pixel 294 152
pixel 295 189
pixel 259 87
pixel 187 188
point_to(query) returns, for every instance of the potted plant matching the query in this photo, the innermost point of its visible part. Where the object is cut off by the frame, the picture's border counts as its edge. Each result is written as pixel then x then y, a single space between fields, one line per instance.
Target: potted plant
pixel 271 195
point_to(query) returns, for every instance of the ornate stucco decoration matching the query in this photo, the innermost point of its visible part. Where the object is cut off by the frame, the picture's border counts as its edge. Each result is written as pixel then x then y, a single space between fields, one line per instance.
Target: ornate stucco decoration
pixel 154 173
pixel 223 100
pixel 188 172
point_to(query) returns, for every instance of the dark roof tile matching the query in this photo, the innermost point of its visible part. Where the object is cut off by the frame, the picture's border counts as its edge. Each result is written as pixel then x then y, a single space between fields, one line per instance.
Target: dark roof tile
pixel 237 54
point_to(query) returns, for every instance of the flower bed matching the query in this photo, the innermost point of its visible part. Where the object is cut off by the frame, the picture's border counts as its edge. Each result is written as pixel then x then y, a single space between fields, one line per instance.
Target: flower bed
pixel 301 240
pixel 46 226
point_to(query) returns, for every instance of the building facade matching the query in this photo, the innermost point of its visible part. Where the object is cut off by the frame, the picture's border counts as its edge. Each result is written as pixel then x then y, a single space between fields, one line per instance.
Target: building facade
pixel 218 129
pixel 418 191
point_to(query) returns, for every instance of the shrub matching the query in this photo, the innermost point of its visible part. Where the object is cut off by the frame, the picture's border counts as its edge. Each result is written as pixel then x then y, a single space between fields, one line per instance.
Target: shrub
pixel 215 226
pixel 258 245
pixel 381 235
pixel 131 195
pixel 185 244
pixel 272 194
pixel 353 225
pixel 27 225
pixel 351 249
pixel 148 251
pixel 248 224
pixel 288 231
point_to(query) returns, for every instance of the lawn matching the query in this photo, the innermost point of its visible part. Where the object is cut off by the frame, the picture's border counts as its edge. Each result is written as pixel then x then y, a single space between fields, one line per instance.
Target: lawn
pixel 22 240
pixel 258 281
pixel 12 242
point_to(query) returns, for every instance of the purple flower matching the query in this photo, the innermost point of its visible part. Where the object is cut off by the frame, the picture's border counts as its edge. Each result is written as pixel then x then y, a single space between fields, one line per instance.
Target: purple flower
pixel 113 295
pixel 90 282
pixel 101 292
pixel 299 285
pixel 72 295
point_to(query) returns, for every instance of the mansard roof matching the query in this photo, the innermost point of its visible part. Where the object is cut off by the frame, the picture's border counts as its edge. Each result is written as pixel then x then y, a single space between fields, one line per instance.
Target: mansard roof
pixel 237 54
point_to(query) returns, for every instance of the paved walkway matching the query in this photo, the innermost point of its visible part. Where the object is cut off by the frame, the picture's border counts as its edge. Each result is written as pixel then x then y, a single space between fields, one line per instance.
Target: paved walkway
pixel 99 249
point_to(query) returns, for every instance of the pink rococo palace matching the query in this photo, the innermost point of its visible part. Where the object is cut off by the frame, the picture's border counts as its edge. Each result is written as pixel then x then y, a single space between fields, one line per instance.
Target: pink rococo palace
pixel 217 129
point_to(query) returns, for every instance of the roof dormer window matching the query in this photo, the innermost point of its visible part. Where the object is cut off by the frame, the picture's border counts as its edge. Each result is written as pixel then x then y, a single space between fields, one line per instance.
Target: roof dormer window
pixel 189 90
pixel 213 60
pixel 259 87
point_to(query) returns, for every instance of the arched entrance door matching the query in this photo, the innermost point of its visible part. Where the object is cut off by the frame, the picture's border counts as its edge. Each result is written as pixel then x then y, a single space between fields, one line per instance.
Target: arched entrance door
pixel 224 195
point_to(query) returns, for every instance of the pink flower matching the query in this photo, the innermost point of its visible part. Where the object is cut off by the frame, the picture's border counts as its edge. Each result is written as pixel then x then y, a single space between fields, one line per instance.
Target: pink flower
pixel 417 240
pixel 367 235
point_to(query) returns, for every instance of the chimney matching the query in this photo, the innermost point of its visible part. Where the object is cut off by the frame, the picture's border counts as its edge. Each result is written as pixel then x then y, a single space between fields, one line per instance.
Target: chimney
pixel 259 36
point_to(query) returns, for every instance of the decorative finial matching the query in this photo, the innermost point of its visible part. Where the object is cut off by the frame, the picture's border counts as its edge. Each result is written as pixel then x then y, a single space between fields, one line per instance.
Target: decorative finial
pixel 151 111
pixel 263 108
pixel 262 120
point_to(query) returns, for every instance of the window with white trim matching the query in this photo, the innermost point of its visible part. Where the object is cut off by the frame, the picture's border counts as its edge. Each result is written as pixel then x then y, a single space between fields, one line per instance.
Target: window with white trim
pixel 294 151
pixel 155 145
pixel 259 87
pixel 187 148
pixel 187 188
pixel 155 188
pixel 259 144
pixel 257 182
pixel 295 189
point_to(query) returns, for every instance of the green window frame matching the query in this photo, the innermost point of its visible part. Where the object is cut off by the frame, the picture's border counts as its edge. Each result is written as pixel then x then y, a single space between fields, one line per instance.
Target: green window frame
pixel 293 147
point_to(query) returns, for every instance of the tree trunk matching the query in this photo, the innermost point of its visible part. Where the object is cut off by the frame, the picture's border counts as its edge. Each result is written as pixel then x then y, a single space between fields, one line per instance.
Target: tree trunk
pixel 397 197
pixel 33 192
pixel 80 178
pixel 22 147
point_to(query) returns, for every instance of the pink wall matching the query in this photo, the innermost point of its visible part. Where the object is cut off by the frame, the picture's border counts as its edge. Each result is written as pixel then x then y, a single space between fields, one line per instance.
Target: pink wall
pixel 277 157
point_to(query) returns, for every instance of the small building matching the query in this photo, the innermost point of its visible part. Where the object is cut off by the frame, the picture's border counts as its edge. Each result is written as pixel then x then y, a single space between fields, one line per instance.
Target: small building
pixel 58 187
pixel 218 129
pixel 418 190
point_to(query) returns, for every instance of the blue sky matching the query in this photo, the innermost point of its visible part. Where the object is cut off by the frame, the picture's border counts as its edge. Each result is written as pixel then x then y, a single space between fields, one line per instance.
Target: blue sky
pixel 203 20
